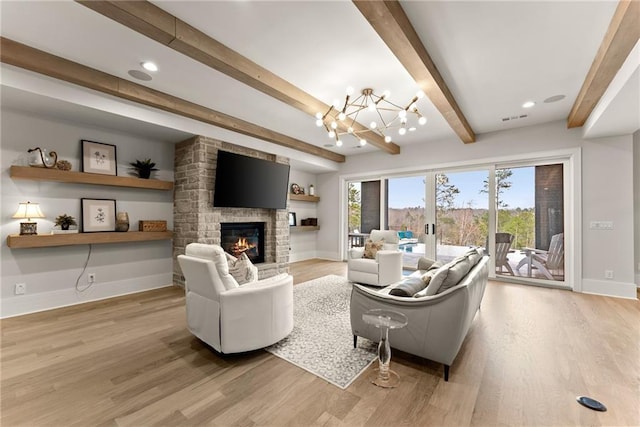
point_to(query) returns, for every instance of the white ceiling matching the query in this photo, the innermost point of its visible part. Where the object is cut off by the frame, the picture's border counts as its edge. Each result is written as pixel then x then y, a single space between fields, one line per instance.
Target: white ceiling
pixel 493 55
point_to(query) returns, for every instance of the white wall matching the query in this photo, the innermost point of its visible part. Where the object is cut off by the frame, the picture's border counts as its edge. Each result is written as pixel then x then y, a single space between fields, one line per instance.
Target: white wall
pixel 50 273
pixel 636 202
pixel 303 244
pixel 607 191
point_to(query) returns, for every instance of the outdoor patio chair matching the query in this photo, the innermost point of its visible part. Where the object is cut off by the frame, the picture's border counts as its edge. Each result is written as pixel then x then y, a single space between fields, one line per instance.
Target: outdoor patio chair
pixel 544 261
pixel 503 246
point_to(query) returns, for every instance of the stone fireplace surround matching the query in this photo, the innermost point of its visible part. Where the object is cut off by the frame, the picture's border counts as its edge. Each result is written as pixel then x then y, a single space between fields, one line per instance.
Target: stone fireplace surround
pixel 196 220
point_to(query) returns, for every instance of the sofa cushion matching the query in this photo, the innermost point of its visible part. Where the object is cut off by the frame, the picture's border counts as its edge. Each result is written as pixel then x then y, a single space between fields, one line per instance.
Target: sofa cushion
pixel 242 269
pixel 474 256
pixel 426 263
pixel 408 287
pixel 371 248
pixel 458 268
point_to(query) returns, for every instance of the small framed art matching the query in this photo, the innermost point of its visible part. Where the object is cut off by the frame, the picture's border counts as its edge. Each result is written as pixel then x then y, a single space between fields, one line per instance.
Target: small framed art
pixel 99 158
pixel 292 219
pixel 98 215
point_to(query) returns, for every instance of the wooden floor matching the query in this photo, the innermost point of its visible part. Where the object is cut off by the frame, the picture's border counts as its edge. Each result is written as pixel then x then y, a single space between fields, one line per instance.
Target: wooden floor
pixel 131 361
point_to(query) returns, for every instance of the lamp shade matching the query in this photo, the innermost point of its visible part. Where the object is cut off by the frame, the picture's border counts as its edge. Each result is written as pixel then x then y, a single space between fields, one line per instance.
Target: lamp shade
pixel 28 210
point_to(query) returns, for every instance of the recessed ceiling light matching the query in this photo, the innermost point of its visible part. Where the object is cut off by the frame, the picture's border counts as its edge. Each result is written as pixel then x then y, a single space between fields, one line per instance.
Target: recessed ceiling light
pixel 528 104
pixel 149 66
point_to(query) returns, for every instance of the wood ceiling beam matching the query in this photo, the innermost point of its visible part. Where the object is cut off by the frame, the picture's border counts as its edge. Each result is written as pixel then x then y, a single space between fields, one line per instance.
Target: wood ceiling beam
pixel 622 35
pixel 393 26
pixel 23 56
pixel 150 20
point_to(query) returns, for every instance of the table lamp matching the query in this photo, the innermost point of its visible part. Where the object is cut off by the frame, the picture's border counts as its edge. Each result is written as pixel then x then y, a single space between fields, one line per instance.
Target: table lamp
pixel 28 210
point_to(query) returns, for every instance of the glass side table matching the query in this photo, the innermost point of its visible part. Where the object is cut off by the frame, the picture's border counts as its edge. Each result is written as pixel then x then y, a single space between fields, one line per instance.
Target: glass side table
pixel 385 320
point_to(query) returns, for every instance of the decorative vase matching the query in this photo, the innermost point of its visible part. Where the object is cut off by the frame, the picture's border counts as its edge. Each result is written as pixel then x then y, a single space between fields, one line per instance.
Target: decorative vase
pixel 122 221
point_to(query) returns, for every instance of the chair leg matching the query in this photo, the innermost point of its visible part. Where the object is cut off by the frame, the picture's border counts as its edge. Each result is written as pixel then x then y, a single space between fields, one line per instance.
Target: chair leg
pixel 446 372
pixel 355 341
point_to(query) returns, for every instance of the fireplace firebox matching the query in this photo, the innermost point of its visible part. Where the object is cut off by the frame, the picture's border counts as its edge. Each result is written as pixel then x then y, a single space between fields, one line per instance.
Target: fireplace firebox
pixel 243 237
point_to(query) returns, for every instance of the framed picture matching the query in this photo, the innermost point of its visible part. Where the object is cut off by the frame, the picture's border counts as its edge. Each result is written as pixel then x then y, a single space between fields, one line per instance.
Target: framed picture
pixel 99 158
pixel 295 188
pixel 292 219
pixel 98 215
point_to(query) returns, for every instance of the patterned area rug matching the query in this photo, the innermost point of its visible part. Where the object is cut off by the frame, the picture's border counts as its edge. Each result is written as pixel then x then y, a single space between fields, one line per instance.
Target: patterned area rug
pixel 321 341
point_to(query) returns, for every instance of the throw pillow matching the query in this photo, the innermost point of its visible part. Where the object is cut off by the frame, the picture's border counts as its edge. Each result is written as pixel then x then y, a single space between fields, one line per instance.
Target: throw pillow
pixel 408 287
pixel 458 268
pixel 439 276
pixel 371 248
pixel 242 269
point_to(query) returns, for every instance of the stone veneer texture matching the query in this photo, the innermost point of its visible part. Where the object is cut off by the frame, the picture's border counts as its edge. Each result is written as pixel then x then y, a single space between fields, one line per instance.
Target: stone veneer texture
pixel 196 220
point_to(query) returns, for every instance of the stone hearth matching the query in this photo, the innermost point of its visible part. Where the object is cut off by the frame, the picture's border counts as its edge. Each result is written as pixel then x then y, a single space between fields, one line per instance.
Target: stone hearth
pixel 196 220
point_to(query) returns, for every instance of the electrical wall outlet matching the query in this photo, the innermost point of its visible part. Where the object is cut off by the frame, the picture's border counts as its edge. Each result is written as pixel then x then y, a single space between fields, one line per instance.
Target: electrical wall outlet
pixel 608 274
pixel 21 288
pixel 91 277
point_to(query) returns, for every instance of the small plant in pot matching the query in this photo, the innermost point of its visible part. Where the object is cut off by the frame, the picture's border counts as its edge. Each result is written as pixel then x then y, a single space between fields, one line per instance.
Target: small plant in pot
pixel 65 221
pixel 143 168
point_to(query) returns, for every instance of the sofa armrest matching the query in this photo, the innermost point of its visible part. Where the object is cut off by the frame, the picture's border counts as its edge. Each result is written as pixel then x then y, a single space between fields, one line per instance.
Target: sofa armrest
pixel 257 314
pixel 389 267
pixel 356 253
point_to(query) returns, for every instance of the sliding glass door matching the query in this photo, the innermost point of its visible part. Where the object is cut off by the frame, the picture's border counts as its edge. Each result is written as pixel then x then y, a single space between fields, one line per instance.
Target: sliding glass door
pixel 515 211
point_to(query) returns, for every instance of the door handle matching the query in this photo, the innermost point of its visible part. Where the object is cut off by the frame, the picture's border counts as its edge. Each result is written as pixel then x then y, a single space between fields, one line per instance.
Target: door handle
pixel 433 228
pixel 426 229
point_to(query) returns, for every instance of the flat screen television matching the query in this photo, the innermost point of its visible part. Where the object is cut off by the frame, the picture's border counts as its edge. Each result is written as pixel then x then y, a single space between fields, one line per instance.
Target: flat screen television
pixel 247 182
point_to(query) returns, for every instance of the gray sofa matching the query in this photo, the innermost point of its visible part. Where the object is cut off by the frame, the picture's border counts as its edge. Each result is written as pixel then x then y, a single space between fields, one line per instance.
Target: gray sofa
pixel 439 318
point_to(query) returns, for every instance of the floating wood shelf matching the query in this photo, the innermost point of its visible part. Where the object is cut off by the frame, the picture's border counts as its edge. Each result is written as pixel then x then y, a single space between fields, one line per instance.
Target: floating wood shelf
pixel 304 198
pixel 49 240
pixel 44 174
pixel 304 228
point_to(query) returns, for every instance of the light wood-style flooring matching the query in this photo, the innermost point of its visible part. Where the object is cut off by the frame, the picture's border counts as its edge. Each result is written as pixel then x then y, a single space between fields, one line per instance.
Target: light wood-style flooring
pixel 130 361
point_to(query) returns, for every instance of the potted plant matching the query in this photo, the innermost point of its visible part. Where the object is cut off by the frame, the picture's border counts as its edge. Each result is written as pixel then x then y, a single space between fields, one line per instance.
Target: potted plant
pixel 143 168
pixel 64 221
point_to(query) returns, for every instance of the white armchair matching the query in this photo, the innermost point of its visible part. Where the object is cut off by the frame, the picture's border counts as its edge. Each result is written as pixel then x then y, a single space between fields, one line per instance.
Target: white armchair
pixel 229 317
pixel 385 269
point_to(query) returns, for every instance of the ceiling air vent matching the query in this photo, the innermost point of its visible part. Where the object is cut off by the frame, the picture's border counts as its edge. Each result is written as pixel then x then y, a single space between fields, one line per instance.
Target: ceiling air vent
pixel 510 118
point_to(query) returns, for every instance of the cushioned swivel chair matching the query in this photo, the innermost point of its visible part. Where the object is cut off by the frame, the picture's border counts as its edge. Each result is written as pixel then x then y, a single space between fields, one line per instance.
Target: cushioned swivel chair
pixel 385 269
pixel 229 317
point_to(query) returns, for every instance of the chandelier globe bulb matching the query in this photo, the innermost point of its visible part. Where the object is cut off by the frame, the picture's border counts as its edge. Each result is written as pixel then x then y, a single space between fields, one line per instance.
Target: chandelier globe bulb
pixel 422 120
pixel 402 131
pixel 387 139
pixel 363 142
pixel 339 142
pixel 373 125
pixel 331 134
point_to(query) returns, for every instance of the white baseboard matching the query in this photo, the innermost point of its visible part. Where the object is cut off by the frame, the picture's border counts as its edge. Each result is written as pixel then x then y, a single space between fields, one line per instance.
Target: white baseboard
pixel 638 280
pixel 609 288
pixel 330 256
pixel 25 304
pixel 302 256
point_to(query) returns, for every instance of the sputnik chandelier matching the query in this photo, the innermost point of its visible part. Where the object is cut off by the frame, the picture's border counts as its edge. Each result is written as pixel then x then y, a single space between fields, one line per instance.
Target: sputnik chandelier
pixel 381 116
